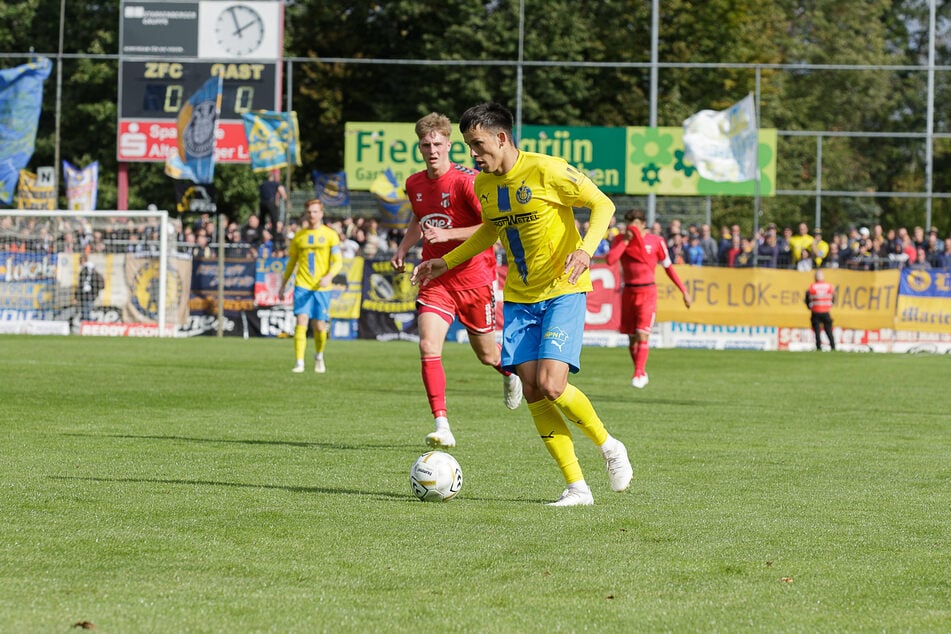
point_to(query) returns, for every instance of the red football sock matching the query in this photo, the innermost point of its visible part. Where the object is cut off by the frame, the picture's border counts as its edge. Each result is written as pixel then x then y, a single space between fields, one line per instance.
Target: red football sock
pixel 640 358
pixel 434 380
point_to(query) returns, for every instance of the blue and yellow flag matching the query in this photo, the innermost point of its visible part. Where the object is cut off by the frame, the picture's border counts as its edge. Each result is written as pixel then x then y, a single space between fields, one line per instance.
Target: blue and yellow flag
pixel 273 139
pixel 194 159
pixel 394 206
pixel 21 99
pixel 331 188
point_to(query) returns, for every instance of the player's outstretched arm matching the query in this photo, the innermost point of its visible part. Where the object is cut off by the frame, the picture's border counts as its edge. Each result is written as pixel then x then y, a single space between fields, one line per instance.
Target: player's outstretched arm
pixel 672 274
pixel 427 271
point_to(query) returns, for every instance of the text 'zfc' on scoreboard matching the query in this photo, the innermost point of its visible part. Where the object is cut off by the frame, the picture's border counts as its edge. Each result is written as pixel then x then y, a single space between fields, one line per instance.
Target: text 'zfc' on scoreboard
pixel 169 49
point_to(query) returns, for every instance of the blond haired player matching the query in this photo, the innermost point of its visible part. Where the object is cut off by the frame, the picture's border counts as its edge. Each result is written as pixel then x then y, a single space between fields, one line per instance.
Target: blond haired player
pixel 446 212
pixel 313 257
pixel 527 202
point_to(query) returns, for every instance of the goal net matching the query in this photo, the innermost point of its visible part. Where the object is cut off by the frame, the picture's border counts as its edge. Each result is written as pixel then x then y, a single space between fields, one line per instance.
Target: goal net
pixel 92 272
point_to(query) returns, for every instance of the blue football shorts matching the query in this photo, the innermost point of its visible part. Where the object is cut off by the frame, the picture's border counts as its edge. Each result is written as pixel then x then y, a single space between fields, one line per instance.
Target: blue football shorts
pixel 314 304
pixel 550 329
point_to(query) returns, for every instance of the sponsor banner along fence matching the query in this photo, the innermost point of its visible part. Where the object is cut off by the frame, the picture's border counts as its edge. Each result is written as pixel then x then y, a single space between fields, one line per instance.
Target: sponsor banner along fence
pixel 895 310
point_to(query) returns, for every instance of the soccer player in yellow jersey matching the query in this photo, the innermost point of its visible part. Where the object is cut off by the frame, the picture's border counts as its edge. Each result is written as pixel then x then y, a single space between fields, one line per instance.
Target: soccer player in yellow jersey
pixel 527 202
pixel 314 253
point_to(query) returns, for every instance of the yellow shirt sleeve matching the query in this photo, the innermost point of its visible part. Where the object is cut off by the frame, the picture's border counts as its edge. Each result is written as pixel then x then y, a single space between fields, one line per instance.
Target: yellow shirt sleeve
pixel 484 237
pixel 602 210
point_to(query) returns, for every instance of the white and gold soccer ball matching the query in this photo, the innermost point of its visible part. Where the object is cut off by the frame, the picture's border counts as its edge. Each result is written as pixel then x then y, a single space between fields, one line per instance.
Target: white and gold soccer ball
pixel 435 477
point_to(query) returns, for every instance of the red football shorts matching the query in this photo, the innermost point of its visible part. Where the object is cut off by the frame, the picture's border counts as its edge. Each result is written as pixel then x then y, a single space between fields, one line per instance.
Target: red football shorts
pixel 475 307
pixel 638 309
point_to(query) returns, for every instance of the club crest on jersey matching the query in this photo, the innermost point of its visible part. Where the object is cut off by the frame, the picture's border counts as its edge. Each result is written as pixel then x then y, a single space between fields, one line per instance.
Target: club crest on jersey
pixel 419 197
pixel 523 194
pixel 444 203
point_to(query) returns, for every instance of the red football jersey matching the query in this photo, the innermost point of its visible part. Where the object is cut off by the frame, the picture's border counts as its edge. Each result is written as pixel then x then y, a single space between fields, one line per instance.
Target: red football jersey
pixel 450 202
pixel 639 259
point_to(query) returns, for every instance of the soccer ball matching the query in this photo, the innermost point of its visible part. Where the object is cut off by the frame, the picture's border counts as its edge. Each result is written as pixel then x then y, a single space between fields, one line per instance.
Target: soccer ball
pixel 435 477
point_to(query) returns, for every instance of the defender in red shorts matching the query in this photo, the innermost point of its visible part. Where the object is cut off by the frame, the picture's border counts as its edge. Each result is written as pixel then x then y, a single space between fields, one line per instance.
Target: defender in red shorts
pixel 445 213
pixel 639 253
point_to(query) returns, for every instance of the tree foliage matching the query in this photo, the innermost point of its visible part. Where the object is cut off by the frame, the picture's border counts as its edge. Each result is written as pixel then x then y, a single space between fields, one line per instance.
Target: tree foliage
pixel 364 60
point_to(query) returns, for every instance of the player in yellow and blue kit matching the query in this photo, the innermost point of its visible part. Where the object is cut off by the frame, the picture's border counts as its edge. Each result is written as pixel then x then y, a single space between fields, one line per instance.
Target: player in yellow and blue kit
pixel 527 202
pixel 314 252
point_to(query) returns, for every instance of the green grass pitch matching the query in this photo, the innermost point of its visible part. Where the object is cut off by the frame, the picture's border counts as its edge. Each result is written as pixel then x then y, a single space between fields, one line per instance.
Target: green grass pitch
pixel 199 486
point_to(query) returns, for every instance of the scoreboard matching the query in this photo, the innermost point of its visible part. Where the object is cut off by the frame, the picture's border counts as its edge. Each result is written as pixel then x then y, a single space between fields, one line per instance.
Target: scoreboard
pixel 169 49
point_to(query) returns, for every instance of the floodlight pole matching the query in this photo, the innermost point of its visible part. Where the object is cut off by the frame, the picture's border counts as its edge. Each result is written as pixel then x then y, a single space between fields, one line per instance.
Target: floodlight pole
pixel 518 72
pixel 59 95
pixel 655 24
pixel 929 141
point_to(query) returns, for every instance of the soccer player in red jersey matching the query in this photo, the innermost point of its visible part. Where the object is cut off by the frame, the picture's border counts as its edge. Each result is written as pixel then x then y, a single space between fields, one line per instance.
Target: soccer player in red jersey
pixel 445 213
pixel 639 252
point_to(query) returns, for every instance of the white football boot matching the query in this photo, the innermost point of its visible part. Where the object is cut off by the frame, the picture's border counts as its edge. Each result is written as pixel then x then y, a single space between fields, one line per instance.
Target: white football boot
pixel 574 496
pixel 618 464
pixel 512 391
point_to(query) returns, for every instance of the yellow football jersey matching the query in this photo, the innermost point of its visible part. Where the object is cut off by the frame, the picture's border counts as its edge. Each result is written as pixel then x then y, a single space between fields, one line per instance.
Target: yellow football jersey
pixel 315 253
pixel 531 209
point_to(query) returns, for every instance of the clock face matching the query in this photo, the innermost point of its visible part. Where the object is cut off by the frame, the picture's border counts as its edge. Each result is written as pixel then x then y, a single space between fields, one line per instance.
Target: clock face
pixel 239 29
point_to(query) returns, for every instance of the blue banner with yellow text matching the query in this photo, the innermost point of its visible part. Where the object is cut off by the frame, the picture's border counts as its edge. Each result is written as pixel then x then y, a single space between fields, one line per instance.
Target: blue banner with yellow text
pixel 273 139
pixel 924 300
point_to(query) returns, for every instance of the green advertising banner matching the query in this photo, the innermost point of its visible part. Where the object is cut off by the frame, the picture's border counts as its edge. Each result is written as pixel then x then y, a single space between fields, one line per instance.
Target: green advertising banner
pixel 655 165
pixel 632 160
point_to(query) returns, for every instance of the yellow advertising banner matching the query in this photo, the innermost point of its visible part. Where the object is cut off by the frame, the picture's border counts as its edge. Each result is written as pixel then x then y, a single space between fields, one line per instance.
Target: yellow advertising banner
pixel 771 297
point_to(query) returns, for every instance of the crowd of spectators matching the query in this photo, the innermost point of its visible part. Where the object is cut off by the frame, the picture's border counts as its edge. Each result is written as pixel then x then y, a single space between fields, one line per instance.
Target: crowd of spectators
pixel 856 248
pixel 358 236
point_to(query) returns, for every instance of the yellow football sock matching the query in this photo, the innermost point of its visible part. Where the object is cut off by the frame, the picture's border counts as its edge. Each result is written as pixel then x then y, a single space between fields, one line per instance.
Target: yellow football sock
pixel 578 409
pixel 320 340
pixel 300 341
pixel 557 438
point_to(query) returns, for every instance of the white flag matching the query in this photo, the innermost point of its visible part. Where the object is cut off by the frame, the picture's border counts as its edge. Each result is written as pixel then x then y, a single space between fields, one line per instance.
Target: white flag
pixel 722 143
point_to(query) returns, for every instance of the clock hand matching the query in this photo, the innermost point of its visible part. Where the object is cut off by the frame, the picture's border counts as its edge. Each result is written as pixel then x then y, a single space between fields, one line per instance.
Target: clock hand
pixel 240 29
pixel 234 18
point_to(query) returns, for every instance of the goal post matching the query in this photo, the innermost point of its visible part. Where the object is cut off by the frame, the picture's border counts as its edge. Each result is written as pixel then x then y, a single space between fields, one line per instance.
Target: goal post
pixel 88 271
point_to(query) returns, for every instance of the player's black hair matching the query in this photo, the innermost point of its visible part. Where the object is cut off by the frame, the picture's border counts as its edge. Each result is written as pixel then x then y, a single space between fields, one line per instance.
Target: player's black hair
pixel 488 116
pixel 635 214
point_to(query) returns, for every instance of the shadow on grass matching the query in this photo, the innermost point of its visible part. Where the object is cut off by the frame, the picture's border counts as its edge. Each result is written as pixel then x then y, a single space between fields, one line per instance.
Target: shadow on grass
pixel 391 497
pixel 282 443
pixel 242 485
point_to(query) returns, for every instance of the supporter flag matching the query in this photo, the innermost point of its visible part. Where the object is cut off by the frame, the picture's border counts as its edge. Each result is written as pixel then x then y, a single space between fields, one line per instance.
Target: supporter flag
pixel 192 197
pixel 81 186
pixel 194 159
pixel 722 143
pixel 392 201
pixel 37 191
pixel 21 99
pixel 331 188
pixel 273 139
